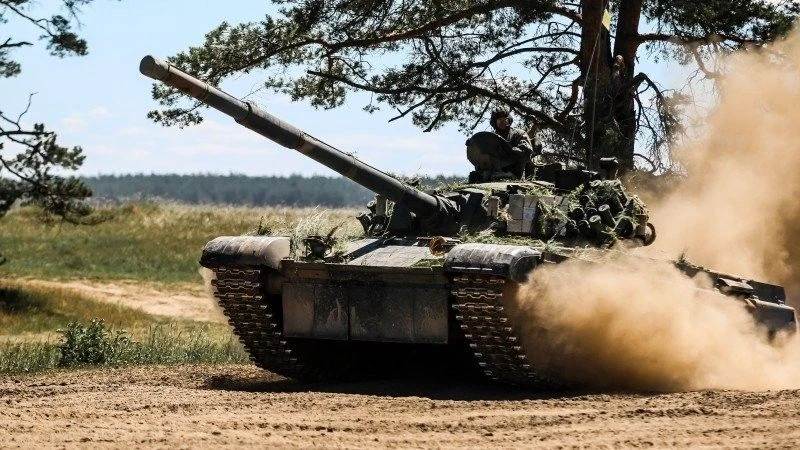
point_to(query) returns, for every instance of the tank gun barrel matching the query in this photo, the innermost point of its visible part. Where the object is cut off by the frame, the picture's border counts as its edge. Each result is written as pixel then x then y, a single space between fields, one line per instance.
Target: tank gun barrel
pixel 428 207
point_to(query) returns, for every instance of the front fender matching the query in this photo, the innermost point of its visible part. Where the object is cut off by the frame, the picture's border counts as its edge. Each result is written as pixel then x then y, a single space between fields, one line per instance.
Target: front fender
pixel 245 251
pixel 510 261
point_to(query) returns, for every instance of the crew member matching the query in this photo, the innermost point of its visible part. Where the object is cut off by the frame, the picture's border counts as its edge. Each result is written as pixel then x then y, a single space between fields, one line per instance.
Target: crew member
pixel 519 141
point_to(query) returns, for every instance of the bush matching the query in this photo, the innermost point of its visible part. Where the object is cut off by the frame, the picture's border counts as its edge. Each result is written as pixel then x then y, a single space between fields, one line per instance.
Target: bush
pixel 94 344
pixel 98 345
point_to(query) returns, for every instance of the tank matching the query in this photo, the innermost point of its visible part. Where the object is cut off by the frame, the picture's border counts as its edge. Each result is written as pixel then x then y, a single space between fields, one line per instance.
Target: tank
pixel 423 290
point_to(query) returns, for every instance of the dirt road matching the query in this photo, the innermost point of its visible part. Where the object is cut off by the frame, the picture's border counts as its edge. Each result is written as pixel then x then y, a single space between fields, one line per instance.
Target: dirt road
pixel 184 300
pixel 196 406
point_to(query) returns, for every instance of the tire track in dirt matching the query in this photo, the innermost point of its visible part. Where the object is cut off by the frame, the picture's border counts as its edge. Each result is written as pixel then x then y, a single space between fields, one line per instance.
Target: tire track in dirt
pixel 226 406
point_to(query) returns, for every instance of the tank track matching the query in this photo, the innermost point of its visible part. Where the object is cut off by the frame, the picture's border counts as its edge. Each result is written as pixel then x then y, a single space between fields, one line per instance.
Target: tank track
pixel 239 292
pixel 476 299
pixel 478 303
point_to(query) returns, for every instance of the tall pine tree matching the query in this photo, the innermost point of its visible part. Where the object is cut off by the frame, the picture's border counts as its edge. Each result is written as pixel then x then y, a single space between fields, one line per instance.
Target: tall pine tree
pixel 568 69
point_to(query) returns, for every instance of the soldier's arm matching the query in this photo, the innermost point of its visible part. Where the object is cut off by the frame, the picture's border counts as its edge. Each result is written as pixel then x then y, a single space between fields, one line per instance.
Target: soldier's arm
pixel 521 143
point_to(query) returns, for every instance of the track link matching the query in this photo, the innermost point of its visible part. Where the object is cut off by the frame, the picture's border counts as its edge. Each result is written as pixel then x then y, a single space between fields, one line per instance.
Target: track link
pixel 239 292
pixel 478 303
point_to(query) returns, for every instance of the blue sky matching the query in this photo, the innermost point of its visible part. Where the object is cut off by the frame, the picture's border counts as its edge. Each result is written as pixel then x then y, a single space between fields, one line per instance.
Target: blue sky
pixel 100 101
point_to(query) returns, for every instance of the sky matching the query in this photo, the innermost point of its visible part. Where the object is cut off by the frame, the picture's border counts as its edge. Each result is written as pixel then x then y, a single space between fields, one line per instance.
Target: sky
pixel 100 102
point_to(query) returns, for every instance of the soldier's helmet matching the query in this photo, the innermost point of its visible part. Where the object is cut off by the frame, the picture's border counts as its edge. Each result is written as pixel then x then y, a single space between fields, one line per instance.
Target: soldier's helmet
pixel 498 113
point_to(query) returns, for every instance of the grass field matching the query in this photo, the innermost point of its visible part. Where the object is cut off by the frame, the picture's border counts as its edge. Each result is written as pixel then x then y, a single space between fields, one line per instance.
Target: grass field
pixel 33 322
pixel 156 244
pixel 142 241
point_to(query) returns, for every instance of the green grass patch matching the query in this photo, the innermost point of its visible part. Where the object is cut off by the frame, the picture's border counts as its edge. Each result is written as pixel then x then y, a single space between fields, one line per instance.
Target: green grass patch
pixel 27 357
pixel 46 328
pixel 97 345
pixel 142 241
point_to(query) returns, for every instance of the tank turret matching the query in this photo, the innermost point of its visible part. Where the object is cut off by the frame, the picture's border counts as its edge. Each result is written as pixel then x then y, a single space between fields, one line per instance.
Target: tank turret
pixel 544 208
pixel 436 213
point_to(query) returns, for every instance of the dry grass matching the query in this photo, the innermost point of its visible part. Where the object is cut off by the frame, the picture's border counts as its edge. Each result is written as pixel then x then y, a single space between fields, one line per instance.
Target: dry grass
pixel 143 241
pixel 27 310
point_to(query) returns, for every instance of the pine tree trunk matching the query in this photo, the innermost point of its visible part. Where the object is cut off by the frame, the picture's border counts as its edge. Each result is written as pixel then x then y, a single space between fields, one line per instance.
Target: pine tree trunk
pixel 609 115
pixel 626 45
pixel 596 73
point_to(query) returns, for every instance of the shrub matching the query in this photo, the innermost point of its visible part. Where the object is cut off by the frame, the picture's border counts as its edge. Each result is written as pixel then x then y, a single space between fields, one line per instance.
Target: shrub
pixel 93 344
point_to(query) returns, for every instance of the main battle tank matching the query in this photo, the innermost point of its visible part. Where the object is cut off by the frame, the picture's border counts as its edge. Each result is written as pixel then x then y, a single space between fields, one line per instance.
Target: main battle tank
pixel 424 288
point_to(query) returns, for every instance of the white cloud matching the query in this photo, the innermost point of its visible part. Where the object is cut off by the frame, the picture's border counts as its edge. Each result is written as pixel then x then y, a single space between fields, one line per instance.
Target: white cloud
pixel 98 112
pixel 74 122
pixel 77 122
pixel 133 131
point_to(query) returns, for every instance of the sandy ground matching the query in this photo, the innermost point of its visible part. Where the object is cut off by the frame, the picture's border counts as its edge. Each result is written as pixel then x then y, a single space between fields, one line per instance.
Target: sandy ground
pixel 197 406
pixel 232 406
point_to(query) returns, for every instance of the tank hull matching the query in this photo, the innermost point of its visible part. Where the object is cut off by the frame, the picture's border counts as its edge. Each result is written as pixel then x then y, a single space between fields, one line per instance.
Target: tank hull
pixel 384 312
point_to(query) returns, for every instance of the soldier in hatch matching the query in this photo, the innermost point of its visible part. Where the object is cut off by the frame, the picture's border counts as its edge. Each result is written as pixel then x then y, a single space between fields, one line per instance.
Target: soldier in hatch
pixel 519 141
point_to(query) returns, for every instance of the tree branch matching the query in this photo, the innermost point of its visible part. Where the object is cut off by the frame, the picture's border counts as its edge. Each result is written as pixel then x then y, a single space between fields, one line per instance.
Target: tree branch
pixel 709 39
pixel 543 117
pixel 711 75
pixel 428 27
pixel 9 44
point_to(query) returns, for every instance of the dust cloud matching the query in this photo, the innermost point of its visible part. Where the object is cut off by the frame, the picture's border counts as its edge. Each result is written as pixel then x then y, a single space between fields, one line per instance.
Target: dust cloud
pixel 208 276
pixel 739 209
pixel 628 325
pixel 641 324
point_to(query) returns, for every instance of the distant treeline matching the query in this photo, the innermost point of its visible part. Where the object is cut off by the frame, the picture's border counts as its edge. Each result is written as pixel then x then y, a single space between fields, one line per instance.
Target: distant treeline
pixel 295 190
